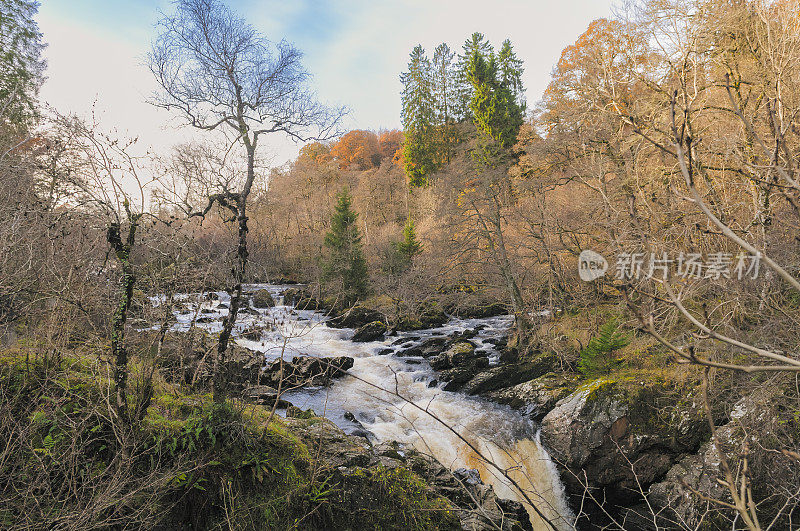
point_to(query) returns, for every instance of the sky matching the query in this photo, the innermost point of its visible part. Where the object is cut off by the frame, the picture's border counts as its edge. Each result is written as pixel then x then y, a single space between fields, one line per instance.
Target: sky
pixel 355 49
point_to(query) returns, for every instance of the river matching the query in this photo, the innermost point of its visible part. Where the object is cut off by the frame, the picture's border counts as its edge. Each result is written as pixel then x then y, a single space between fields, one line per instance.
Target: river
pixel 498 432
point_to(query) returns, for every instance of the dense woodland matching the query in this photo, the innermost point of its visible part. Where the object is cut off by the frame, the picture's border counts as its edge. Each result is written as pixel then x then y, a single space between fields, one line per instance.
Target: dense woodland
pixel 669 129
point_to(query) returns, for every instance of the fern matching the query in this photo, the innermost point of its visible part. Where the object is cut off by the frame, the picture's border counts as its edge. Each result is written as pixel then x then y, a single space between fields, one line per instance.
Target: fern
pixel 598 356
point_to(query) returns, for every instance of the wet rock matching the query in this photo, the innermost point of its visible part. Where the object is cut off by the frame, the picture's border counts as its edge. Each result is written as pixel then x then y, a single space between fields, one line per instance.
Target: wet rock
pixel 264 395
pixel 415 352
pixel 370 332
pixel 537 397
pixel 305 371
pixel 458 354
pixel 600 429
pixel 263 299
pixel 355 317
pixel 308 303
pixel 385 351
pixel 508 375
pixel 292 295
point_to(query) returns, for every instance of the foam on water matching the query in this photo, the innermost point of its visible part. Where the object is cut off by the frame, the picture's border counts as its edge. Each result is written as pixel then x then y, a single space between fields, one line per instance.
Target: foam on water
pixel 369 392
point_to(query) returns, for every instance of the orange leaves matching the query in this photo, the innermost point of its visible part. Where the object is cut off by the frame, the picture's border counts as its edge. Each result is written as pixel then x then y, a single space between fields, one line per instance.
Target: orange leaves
pixel 316 152
pixel 389 142
pixel 358 150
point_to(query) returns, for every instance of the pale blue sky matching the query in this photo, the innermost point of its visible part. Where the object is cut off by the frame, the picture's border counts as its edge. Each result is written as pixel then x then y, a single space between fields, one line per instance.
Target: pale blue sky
pixel 356 50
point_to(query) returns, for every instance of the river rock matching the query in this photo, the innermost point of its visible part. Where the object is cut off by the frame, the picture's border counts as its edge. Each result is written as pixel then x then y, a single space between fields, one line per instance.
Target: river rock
pixel 292 295
pixel 508 375
pixel 537 397
pixel 370 332
pixel 263 299
pixel 305 371
pixel 355 317
pixel 478 310
pixel 755 422
pixel 457 354
pixel 264 395
pixel 600 430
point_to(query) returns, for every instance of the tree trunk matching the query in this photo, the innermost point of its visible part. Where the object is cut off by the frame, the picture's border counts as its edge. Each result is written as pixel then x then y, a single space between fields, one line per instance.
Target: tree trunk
pixel 118 350
pixel 219 383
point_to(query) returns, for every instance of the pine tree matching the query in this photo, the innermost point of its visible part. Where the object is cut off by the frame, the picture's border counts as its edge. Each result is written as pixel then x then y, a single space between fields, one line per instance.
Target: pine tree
pixel 493 106
pixel 345 262
pixel 410 246
pixel 418 119
pixel 510 71
pixel 22 71
pixel 477 43
pixel 597 357
pixel 445 97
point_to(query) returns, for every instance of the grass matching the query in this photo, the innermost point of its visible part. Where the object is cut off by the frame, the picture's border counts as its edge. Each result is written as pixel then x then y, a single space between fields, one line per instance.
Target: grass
pixel 187 463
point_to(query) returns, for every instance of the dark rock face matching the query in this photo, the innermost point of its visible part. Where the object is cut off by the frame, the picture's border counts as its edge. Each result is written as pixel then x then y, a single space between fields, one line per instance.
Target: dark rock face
pixel 755 420
pixel 370 332
pixel 305 371
pixel 537 397
pixel 479 311
pixel 600 429
pixel 263 299
pixel 355 317
pixel 508 375
pixel 264 395
pixel 457 354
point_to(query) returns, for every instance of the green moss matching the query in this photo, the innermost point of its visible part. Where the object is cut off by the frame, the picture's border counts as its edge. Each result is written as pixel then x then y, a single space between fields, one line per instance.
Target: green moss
pixel 224 465
pixel 388 498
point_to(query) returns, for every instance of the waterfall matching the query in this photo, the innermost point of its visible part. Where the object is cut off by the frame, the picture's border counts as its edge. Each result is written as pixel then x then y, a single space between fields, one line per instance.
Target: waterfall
pixel 499 433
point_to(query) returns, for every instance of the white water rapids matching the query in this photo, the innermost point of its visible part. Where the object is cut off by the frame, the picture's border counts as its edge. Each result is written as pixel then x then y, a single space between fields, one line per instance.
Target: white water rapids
pixel 498 432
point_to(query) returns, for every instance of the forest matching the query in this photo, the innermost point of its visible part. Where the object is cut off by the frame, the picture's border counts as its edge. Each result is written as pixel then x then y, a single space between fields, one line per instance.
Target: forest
pixel 567 310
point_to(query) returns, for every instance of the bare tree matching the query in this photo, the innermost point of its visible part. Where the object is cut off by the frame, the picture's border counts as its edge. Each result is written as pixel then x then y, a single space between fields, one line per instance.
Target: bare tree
pixel 221 75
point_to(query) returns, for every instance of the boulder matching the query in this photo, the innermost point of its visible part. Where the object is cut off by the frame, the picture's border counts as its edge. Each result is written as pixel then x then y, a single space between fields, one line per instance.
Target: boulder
pixel 755 423
pixel 537 397
pixel 601 429
pixel 355 317
pixel 370 332
pixel 479 310
pixel 264 395
pixel 457 354
pixel 305 371
pixel 508 375
pixel 292 295
pixel 263 299
pixel 308 303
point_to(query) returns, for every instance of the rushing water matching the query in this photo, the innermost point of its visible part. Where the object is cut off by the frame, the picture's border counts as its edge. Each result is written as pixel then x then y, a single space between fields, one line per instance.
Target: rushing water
pixel 356 402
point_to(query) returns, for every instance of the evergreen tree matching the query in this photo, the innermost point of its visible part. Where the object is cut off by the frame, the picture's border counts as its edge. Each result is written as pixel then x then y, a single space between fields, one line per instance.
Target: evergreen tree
pixel 445 96
pixel 418 119
pixel 510 70
pixel 477 43
pixel 597 357
pixel 410 246
pixel 22 71
pixel 345 262
pixel 493 107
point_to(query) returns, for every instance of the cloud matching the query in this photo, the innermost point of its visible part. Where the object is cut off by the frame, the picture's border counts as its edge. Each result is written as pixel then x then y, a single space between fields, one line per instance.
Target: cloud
pixel 356 50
